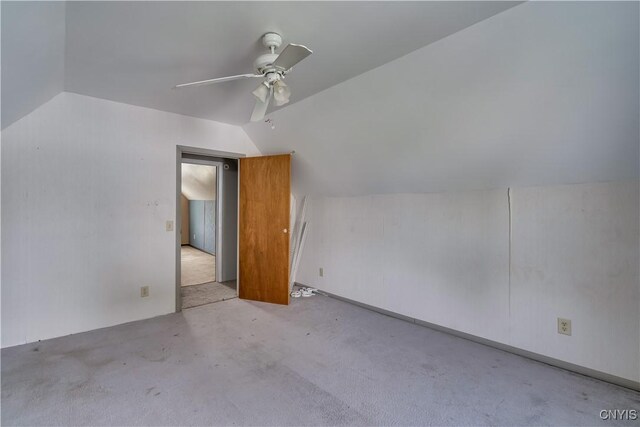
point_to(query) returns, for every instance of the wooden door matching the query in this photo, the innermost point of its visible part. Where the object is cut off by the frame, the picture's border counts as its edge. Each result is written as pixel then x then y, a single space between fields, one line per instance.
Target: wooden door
pixel 265 191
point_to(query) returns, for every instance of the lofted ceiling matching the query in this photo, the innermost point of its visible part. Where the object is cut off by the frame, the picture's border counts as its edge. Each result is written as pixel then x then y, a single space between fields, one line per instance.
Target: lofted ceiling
pixel 407 96
pixel 135 52
pixel 543 93
pixel 33 45
pixel 198 182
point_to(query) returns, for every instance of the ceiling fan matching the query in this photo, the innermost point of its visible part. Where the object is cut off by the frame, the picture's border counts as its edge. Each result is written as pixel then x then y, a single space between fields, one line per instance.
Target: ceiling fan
pixel 272 67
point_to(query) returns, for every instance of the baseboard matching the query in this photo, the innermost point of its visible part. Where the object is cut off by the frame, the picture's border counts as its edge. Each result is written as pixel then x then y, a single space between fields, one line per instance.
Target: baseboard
pixel 603 376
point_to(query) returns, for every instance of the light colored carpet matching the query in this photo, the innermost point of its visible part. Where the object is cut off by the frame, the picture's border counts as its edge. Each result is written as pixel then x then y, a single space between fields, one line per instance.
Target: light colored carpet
pixel 196 266
pixel 318 361
pixel 206 293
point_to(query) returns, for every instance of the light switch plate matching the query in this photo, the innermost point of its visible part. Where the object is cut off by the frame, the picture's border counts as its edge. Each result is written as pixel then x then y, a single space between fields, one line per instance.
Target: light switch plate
pixel 144 291
pixel 321 272
pixel 564 326
pixel 169 225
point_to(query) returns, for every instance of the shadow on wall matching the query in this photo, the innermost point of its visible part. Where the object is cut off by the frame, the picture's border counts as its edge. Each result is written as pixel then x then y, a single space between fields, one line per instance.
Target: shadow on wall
pixel 184 226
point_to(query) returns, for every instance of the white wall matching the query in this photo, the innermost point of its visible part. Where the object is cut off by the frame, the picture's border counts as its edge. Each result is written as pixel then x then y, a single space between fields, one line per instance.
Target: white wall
pixel 33 55
pixel 439 257
pixel 575 255
pixel 444 258
pixel 87 186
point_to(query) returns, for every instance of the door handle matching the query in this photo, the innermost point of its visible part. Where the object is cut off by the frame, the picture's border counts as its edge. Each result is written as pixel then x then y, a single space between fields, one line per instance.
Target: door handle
pixel 284 231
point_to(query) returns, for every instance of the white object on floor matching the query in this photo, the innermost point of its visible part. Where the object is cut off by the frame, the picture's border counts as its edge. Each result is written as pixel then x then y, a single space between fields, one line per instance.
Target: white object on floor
pixel 306 292
pixel 296 294
pixel 297 240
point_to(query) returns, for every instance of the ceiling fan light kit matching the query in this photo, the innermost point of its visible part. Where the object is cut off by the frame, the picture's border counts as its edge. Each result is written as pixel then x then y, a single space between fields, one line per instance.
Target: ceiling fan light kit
pixel 261 92
pixel 272 68
pixel 281 93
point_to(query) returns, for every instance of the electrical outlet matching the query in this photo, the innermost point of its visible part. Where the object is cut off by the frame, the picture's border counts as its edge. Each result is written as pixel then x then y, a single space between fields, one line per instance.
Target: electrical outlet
pixel 321 272
pixel 169 226
pixel 564 326
pixel 144 291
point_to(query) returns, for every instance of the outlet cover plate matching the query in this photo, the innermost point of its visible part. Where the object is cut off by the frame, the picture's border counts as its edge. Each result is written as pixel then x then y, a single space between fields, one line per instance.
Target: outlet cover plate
pixel 169 225
pixel 564 326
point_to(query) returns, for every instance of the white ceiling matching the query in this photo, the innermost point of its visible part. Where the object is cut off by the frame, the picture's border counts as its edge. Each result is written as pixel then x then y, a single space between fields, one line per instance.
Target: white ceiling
pixel 134 52
pixel 198 182
pixel 543 93
pixel 33 44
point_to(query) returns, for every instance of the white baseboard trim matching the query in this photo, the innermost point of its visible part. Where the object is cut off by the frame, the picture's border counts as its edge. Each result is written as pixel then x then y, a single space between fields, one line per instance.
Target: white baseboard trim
pixel 599 375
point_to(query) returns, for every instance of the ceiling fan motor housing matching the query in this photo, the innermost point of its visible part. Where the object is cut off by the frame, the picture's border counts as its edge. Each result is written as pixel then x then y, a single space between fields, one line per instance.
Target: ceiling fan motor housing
pixel 270 40
pixel 265 62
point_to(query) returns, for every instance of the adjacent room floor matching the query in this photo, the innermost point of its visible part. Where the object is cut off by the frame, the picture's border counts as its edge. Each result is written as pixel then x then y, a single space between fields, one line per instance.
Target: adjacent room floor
pixel 197 267
pixel 197 279
pixel 318 361
pixel 206 293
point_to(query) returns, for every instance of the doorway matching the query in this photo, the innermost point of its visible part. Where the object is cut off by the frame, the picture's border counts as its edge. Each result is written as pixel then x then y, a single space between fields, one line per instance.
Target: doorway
pixel 252 238
pixel 207 210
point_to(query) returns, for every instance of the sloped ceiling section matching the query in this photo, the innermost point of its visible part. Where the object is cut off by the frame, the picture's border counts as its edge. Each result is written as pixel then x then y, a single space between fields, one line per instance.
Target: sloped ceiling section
pixel 135 52
pixel 198 182
pixel 33 45
pixel 543 93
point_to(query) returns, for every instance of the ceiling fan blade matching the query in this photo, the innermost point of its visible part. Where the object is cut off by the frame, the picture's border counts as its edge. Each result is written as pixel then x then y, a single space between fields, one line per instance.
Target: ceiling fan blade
pixel 291 55
pixel 218 80
pixel 261 108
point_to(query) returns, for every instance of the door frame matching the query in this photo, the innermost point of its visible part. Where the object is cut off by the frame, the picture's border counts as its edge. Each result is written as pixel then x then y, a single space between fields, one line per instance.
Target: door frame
pixel 210 157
